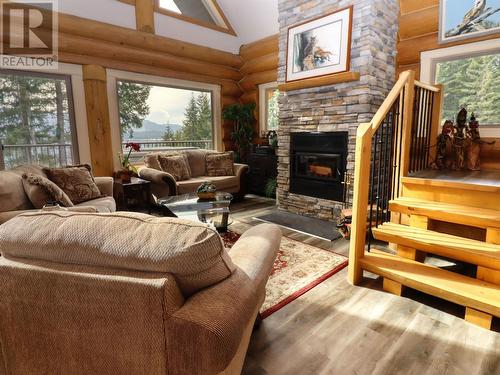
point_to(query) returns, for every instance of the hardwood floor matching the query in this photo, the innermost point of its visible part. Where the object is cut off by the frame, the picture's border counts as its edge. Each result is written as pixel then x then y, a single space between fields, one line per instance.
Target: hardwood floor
pixel 337 328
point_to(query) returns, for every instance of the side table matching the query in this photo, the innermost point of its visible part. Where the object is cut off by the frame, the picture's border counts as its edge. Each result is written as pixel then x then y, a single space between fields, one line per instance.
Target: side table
pixel 133 195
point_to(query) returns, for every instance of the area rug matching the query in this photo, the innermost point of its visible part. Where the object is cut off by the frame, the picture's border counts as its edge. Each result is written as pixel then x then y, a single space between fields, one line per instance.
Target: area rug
pixel 299 267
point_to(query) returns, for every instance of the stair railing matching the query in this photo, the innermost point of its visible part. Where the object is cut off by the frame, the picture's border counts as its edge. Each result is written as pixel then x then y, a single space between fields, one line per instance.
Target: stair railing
pixel 387 148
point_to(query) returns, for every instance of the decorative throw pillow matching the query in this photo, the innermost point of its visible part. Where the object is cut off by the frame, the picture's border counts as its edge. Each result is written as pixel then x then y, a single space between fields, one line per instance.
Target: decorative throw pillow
pixel 41 190
pixel 77 182
pixel 220 164
pixel 176 165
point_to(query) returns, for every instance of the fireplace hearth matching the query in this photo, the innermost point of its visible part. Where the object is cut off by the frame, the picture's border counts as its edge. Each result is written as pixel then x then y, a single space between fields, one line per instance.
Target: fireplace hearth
pixel 318 163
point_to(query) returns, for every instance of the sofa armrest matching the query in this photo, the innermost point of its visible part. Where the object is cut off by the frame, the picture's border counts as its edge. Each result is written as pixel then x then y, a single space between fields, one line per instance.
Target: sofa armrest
pixel 240 169
pixel 159 177
pixel 105 185
pixel 7 215
pixel 207 330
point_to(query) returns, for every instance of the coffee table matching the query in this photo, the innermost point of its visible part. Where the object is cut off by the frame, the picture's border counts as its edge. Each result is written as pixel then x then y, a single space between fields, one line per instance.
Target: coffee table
pixel 187 206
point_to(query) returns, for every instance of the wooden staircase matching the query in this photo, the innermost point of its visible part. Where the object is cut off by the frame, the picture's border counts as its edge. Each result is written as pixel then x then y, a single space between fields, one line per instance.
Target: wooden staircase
pixel 417 217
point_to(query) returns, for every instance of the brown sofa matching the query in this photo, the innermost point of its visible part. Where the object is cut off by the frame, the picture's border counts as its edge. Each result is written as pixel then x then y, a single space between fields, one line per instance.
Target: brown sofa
pixel 164 184
pixel 128 293
pixel 14 201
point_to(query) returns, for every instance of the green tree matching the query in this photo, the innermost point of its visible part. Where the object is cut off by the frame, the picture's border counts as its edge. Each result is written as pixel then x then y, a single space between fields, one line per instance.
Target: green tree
pixel 133 106
pixel 190 122
pixel 204 107
pixel 169 134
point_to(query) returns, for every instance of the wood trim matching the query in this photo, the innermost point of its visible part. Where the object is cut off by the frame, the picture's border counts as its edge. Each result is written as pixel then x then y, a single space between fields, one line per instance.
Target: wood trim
pixel 98 122
pixel 320 81
pixel 407 123
pixel 360 201
pixel 228 29
pixel 145 16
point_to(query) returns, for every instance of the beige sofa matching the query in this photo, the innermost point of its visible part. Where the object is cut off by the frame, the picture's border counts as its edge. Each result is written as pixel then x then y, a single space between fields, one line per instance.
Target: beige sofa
pixel 82 293
pixel 164 184
pixel 14 201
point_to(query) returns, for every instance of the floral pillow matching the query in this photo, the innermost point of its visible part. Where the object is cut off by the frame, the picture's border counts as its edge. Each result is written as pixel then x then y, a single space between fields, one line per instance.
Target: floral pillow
pixel 220 164
pixel 77 182
pixel 176 165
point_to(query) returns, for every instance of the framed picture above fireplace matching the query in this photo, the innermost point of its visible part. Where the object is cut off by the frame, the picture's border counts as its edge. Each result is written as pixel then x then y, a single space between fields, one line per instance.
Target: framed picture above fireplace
pixel 319 47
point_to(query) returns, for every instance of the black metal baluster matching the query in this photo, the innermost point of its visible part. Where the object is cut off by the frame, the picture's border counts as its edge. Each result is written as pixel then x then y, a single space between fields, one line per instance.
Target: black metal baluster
pixel 400 141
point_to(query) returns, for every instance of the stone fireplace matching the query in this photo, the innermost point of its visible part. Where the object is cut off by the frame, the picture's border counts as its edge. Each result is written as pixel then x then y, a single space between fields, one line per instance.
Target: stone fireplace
pixel 317 126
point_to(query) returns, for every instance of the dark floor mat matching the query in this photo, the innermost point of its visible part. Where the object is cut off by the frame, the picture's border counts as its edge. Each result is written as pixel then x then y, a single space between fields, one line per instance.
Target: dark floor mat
pixel 315 227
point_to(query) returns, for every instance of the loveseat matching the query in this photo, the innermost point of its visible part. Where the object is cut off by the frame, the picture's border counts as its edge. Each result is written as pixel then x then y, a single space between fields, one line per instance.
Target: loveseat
pixel 128 293
pixel 163 184
pixel 14 200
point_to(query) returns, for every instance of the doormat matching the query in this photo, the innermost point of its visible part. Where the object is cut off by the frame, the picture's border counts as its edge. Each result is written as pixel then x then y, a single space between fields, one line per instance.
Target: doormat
pixel 325 230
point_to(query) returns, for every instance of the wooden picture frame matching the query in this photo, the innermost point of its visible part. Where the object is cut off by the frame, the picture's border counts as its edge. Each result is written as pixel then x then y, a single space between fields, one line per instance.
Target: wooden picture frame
pixel 319 47
pixel 465 19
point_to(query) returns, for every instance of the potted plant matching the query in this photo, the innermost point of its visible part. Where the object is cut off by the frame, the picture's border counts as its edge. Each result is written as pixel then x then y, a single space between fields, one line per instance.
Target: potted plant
pixel 242 115
pixel 125 174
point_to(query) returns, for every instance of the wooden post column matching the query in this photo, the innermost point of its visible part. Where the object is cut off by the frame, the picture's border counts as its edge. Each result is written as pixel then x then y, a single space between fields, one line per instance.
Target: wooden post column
pixel 145 15
pixel 96 101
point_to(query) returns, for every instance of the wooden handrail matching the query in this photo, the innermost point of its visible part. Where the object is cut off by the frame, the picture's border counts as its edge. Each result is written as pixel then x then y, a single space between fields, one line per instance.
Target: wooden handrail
pixel 428 87
pixel 404 91
pixel 393 95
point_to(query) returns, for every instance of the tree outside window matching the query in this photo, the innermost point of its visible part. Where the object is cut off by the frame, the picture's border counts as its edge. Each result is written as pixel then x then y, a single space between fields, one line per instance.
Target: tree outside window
pixel 473 83
pixel 272 110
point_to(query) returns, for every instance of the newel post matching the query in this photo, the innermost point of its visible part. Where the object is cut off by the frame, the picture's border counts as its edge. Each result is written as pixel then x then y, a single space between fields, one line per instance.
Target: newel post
pixel 407 123
pixel 360 201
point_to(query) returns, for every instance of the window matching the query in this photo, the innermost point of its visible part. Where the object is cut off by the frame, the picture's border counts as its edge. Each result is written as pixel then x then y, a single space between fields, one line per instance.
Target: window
pixel 269 109
pixel 162 117
pixel 37 123
pixel 473 83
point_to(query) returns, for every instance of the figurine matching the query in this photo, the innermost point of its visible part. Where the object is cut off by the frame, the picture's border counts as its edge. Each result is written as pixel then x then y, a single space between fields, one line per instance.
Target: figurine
pixel 474 145
pixel 443 142
pixel 459 140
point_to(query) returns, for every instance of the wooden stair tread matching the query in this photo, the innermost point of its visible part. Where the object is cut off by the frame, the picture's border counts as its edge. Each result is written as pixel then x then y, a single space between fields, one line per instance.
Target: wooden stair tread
pixel 435 182
pixel 444 284
pixel 452 213
pixel 459 248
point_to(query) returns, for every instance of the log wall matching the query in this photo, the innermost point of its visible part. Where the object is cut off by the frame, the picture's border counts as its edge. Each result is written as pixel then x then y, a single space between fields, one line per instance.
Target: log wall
pixel 418 32
pixel 88 42
pixel 260 65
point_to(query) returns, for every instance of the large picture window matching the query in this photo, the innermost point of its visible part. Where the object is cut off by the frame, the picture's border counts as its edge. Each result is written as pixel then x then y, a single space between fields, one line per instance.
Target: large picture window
pixel 473 83
pixel 161 117
pixel 37 124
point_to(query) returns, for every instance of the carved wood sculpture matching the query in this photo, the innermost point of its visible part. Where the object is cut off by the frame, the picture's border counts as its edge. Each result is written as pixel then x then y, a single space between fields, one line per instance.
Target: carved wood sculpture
pixel 459 140
pixel 443 145
pixel 474 145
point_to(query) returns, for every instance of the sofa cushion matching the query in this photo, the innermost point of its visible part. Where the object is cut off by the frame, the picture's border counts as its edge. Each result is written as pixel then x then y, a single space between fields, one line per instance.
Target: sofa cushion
pixel 29 168
pixel 197 162
pixel 103 204
pixel 41 190
pixel 192 252
pixel 12 195
pixel 228 183
pixel 176 165
pixel 220 164
pixel 77 182
pixel 151 159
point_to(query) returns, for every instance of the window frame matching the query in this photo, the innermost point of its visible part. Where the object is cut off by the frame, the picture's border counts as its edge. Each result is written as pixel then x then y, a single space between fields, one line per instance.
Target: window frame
pixel 263 104
pixel 73 75
pixel 119 75
pixel 430 59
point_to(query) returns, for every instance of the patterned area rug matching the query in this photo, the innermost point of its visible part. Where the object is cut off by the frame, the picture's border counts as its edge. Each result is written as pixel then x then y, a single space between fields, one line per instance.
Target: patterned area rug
pixel 298 268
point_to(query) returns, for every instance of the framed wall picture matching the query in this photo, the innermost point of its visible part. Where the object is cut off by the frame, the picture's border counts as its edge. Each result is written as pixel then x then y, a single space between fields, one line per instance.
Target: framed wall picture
pixel 320 46
pixel 461 19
